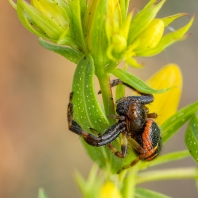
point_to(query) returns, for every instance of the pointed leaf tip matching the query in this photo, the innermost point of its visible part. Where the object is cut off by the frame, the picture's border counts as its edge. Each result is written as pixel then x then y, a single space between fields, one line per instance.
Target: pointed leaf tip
pixel 191 137
pixel 135 82
pixel 42 193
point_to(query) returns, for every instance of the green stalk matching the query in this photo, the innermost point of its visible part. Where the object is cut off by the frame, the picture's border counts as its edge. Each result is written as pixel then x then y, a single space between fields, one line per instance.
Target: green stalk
pixel 129 183
pixel 177 173
pixel 106 95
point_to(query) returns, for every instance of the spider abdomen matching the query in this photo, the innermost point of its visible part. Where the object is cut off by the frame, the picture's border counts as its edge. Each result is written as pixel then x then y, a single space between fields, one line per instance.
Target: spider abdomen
pixel 150 140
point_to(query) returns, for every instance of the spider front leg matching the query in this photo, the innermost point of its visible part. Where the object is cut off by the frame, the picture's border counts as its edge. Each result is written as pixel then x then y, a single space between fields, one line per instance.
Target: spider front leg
pixel 113 83
pixel 144 98
pixel 72 125
pixel 108 136
pixel 75 127
pixel 124 146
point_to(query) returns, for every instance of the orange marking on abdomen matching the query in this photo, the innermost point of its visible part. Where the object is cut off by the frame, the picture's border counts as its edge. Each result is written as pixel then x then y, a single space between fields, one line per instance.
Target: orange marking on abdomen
pixel 147 144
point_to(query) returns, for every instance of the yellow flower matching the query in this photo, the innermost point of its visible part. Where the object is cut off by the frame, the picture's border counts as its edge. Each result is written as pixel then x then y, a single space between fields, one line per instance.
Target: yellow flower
pixel 131 36
pixel 109 190
pixel 166 104
pixel 151 35
pixel 102 28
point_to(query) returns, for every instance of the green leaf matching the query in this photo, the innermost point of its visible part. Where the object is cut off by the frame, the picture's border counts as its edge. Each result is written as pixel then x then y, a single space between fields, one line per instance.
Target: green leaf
pixel 135 82
pixel 90 187
pixel 88 113
pixel 86 107
pixel 191 137
pixel 42 193
pixel 13 4
pixel 94 29
pixel 77 22
pixel 170 126
pixel 67 52
pixel 143 19
pixel 124 8
pixel 170 19
pixel 145 193
pixel 166 158
pixel 83 7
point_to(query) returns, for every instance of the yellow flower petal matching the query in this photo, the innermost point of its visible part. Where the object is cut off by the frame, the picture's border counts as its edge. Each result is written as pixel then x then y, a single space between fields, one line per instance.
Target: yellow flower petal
pixel 166 104
pixel 109 190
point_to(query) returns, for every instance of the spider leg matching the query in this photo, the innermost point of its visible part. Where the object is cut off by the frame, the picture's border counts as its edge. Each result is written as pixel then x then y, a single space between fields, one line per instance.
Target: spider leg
pixel 152 115
pixel 134 162
pixel 72 125
pixel 75 127
pixel 112 133
pixel 118 81
pixel 124 146
pixel 139 149
pixel 115 82
pixel 144 98
pixel 136 146
pixel 108 136
pixel 117 117
pixel 149 155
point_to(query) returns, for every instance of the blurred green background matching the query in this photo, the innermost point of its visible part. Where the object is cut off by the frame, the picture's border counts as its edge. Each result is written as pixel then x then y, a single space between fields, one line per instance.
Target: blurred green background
pixel 36 148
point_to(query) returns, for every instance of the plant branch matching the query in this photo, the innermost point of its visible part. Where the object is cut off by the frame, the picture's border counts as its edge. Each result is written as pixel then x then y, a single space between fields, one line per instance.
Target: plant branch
pixel 106 95
pixel 177 173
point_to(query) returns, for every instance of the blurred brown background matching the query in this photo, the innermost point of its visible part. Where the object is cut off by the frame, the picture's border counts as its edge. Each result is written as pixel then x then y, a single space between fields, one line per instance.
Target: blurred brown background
pixel 36 149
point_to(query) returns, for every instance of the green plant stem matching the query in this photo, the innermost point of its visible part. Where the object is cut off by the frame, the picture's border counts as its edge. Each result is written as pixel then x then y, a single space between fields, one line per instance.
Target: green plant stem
pixel 106 95
pixel 129 183
pixel 177 173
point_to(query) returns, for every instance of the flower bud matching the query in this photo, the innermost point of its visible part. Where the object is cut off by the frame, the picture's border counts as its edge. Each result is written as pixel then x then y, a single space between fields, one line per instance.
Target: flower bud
pixel 109 190
pixel 45 18
pixel 119 42
pixel 151 35
pixel 103 37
